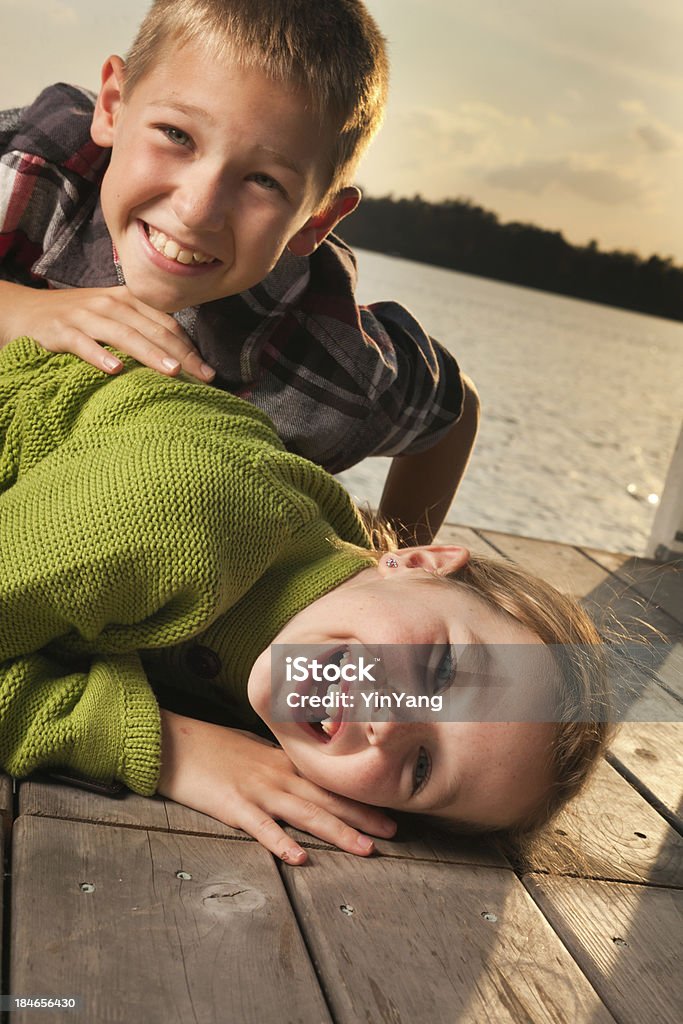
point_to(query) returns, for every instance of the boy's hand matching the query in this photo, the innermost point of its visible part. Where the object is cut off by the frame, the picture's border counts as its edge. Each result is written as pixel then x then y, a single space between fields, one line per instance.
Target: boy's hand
pixel 249 783
pixel 81 320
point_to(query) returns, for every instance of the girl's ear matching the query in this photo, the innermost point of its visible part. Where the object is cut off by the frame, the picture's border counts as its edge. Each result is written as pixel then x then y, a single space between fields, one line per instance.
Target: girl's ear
pixel 108 102
pixel 435 558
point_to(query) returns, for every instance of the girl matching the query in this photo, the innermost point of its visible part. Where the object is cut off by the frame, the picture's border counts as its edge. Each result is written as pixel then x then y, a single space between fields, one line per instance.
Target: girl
pixel 157 541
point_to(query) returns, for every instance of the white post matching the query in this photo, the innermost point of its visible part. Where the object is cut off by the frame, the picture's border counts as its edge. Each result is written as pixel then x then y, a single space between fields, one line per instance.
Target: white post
pixel 666 539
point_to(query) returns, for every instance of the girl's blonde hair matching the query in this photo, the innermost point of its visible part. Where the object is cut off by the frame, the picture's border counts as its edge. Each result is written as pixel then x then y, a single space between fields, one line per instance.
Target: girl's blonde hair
pixel 333 49
pixel 585 705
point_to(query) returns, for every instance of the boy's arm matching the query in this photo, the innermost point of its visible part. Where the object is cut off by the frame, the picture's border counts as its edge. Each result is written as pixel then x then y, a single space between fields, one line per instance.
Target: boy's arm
pixel 82 320
pixel 419 488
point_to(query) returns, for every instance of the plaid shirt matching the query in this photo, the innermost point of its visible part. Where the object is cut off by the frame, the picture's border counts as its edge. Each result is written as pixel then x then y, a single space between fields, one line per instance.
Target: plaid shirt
pixel 340 381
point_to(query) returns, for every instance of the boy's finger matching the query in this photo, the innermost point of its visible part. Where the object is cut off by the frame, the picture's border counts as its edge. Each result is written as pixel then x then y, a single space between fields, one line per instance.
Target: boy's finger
pixel 167 334
pixel 169 348
pixel 87 349
pixel 169 358
pixel 193 364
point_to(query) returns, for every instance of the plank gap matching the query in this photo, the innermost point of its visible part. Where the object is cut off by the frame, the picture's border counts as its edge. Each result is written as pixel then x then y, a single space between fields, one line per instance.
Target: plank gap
pixel 645 884
pixel 670 816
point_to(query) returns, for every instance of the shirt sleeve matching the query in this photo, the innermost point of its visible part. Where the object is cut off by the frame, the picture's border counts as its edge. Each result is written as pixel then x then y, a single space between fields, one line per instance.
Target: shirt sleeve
pixel 48 164
pixel 419 395
pixel 404 388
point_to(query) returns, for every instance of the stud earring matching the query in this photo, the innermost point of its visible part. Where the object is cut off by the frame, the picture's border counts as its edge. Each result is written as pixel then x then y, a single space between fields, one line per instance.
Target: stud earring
pixel 391 563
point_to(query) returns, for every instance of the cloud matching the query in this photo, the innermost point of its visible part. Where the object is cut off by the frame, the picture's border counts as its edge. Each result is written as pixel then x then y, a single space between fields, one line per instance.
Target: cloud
pixel 601 185
pixel 52 10
pixel 470 131
pixel 658 138
pixel 636 107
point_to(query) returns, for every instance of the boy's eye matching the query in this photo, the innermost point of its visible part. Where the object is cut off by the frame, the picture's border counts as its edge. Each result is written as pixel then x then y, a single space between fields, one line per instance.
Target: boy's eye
pixel 265 181
pixel 423 769
pixel 176 135
pixel 445 670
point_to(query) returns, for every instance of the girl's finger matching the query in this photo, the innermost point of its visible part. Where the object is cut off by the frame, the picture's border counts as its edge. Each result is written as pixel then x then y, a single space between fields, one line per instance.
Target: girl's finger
pixel 268 833
pixel 310 817
pixel 363 816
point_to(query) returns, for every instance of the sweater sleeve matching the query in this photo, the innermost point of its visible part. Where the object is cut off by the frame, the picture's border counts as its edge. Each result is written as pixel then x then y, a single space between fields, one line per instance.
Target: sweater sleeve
pixel 87 580
pixel 106 556
pixel 101 723
pixel 111 543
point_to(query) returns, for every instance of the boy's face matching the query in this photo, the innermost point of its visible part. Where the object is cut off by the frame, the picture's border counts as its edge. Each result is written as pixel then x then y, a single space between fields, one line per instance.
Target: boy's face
pixel 214 171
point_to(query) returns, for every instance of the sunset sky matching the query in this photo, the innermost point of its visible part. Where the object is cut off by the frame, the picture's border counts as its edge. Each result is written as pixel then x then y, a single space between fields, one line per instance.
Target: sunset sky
pixel 568 114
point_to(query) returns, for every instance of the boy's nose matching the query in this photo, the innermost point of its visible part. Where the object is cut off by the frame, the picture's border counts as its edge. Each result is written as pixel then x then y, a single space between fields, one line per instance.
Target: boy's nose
pixel 200 202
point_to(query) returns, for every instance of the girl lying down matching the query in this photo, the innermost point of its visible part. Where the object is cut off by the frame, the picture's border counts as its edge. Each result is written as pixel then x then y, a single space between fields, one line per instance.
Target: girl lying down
pixel 157 540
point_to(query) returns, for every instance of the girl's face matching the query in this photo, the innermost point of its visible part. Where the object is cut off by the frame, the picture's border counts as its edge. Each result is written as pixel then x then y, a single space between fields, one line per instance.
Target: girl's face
pixel 482 772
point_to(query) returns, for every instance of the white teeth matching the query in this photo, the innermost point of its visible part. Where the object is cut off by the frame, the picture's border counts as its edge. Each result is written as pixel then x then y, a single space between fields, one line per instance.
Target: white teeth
pixel 169 248
pixel 326 725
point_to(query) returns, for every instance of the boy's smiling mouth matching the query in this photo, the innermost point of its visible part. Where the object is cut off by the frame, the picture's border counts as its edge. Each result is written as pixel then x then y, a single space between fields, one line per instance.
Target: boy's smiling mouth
pixel 175 251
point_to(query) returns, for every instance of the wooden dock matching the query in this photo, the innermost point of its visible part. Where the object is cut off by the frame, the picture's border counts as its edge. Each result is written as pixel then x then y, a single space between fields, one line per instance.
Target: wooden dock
pixel 147 912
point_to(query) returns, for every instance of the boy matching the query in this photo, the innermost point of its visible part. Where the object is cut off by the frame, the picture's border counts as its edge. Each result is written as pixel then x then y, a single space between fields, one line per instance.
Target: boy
pixel 205 184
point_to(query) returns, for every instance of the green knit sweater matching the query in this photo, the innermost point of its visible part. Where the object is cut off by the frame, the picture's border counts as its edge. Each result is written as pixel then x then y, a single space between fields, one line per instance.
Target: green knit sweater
pixel 142 520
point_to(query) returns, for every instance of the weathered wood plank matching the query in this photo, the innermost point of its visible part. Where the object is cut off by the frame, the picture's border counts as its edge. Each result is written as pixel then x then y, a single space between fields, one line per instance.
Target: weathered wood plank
pixel 619 610
pixel 611 832
pixel 415 841
pixel 6 803
pixel 147 946
pixel 3 891
pixel 406 941
pixel 650 754
pixel 626 939
pixel 661 583
pixel 55 800
pixel 566 567
pixel 464 536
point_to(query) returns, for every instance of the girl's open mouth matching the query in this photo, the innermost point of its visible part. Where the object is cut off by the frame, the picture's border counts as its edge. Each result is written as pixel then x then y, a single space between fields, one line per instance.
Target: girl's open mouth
pixel 325 720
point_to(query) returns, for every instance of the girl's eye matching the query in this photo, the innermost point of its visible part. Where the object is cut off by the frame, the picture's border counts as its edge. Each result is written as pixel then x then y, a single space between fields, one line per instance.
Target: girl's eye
pixel 445 670
pixel 423 769
pixel 180 138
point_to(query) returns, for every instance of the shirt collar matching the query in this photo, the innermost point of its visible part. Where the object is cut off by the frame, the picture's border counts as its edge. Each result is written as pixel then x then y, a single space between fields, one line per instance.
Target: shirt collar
pixel 229 332
pixel 81 255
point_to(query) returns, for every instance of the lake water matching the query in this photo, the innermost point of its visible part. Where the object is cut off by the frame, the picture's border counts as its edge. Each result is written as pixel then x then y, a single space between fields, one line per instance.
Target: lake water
pixel 581 405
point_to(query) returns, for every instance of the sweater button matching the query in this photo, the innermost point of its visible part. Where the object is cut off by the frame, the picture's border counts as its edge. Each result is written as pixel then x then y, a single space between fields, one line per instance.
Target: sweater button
pixel 204 662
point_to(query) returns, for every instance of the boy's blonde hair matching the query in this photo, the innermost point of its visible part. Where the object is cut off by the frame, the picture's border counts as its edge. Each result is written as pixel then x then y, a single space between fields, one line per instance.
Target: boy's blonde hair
pixel 331 48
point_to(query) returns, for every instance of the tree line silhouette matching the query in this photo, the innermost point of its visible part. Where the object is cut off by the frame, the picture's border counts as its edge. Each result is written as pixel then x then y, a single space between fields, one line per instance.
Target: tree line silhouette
pixel 462 236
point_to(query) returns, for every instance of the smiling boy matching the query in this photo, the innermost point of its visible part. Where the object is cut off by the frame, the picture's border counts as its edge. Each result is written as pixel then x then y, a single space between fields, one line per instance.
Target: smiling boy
pixel 204 183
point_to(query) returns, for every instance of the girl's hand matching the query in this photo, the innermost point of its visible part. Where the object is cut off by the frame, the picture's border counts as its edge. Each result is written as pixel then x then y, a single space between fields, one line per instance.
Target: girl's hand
pixel 248 783
pixel 82 320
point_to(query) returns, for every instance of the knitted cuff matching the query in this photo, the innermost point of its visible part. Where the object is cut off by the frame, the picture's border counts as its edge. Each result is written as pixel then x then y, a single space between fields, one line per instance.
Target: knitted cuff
pixel 120 735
